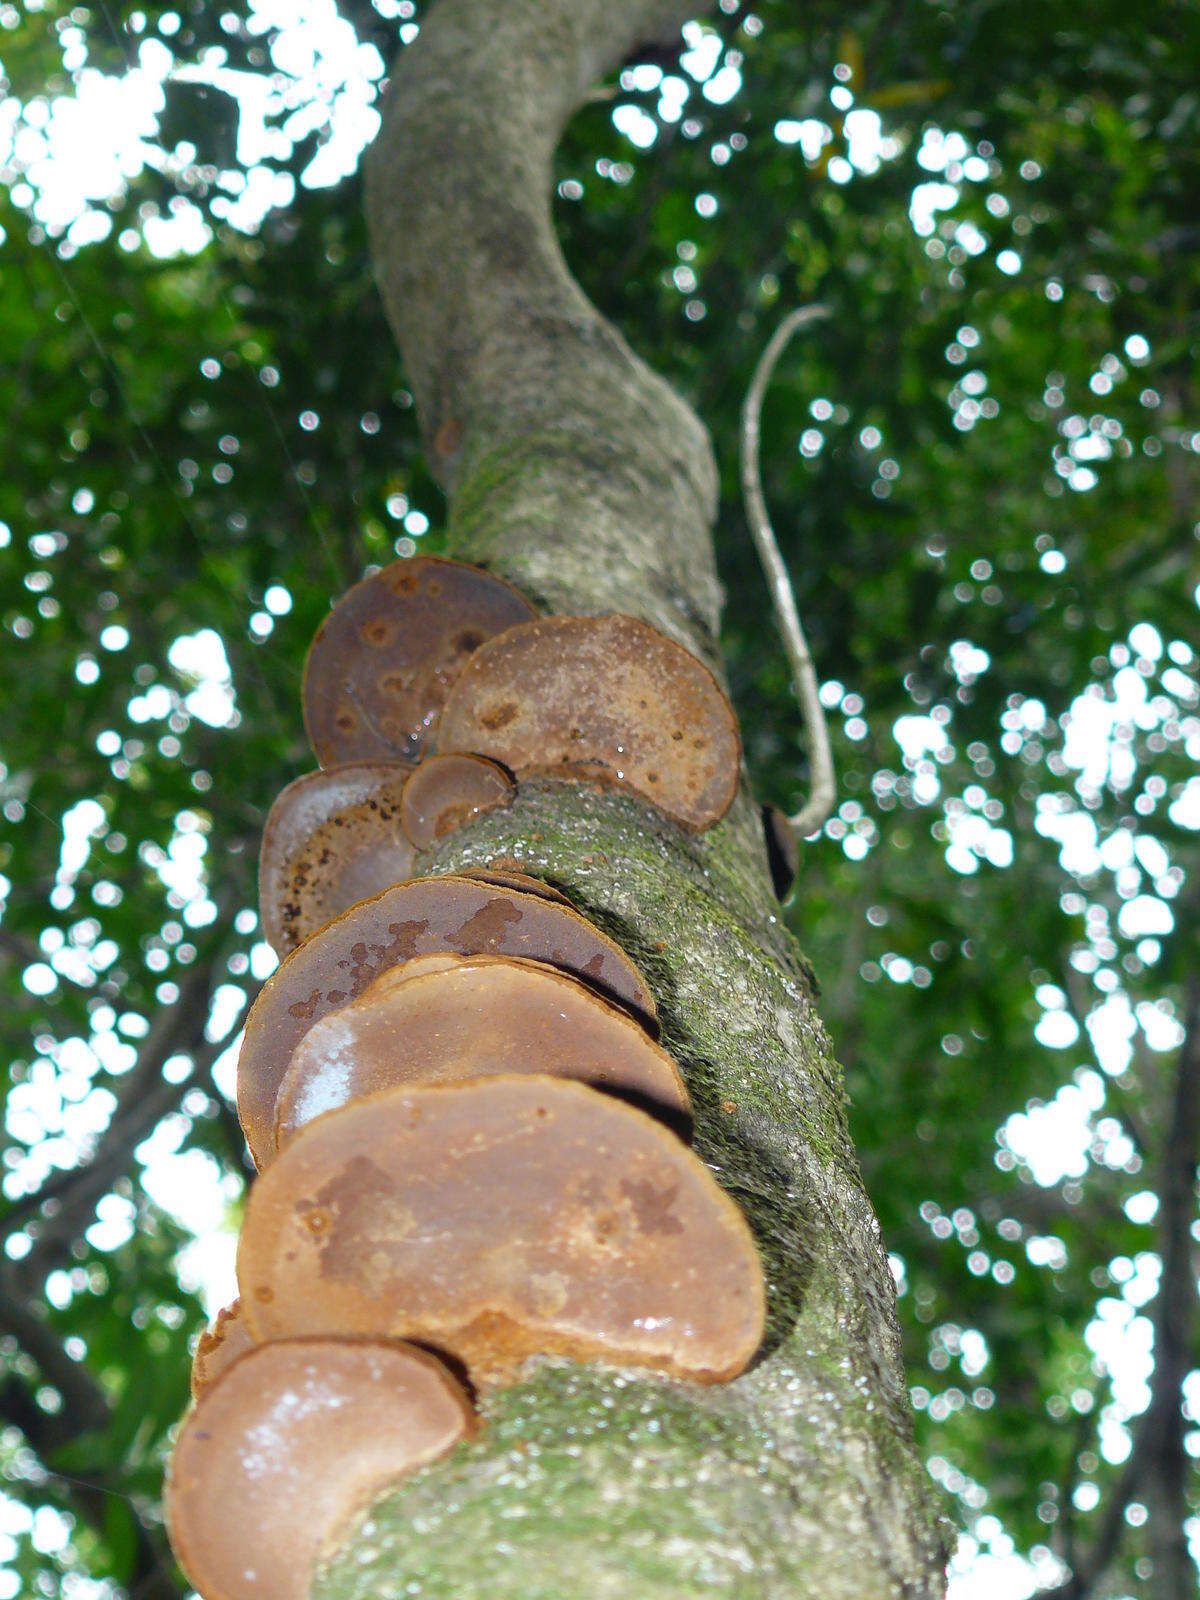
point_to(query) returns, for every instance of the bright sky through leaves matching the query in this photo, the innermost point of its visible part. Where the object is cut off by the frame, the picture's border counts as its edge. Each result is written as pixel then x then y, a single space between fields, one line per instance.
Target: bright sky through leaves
pixel 1081 789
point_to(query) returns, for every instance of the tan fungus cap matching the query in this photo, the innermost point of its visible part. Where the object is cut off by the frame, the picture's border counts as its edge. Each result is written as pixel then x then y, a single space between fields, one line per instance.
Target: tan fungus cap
pixel 475 1018
pixel 425 916
pixel 500 1219
pixel 222 1342
pixel 297 1437
pixel 609 699
pixel 447 792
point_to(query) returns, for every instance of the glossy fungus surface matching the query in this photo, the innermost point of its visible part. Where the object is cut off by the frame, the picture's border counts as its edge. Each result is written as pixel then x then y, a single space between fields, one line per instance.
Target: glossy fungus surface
pixel 498 1219
pixel 290 1443
pixel 331 839
pixel 425 916
pixel 609 699
pixel 447 792
pixel 474 1019
pixel 382 661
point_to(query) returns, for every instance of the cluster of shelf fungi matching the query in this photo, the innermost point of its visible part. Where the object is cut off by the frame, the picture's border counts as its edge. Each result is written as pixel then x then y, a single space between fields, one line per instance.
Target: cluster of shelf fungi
pixel 471 1147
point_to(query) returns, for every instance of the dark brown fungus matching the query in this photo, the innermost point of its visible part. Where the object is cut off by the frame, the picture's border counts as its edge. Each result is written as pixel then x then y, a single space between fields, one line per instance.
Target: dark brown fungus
pixel 608 699
pixel 425 916
pixel 510 878
pixel 477 1018
pixel 447 792
pixel 783 855
pixel 294 1440
pixel 380 665
pixel 332 838
pixel 225 1339
pixel 501 1219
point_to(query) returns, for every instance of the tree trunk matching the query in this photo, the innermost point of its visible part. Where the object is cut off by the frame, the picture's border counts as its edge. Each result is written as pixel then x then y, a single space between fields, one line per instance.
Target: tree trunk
pixel 575 472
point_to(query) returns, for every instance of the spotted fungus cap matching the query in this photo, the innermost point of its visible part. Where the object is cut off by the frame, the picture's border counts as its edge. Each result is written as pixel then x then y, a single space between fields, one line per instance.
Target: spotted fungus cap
pixel 500 1219
pixel 425 916
pixel 608 699
pixel 473 1019
pixel 381 662
pixel 332 838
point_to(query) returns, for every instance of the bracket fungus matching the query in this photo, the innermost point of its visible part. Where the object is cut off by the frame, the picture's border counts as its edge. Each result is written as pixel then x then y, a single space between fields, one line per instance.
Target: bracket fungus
pixel 295 1439
pixel 446 792
pixel 500 1219
pixel 381 662
pixel 477 1018
pixel 424 916
pixel 511 878
pixel 609 699
pixel 332 838
pixel 220 1344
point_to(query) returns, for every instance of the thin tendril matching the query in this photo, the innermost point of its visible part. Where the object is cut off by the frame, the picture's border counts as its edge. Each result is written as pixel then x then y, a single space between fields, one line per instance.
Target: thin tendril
pixel 823 787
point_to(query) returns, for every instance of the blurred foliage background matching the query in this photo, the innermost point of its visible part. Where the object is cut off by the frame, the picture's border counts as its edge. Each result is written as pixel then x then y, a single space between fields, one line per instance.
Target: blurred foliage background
pixel 983 472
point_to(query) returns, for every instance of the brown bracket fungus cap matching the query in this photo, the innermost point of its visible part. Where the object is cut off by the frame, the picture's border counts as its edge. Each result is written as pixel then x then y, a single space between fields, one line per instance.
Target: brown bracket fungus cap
pixel 332 838
pixel 296 1438
pixel 380 665
pixel 219 1346
pixel 447 792
pixel 510 878
pixel 476 1019
pixel 425 916
pixel 500 1219
pixel 603 698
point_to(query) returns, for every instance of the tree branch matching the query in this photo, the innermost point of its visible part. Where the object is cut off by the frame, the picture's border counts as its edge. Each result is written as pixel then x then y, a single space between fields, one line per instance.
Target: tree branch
pixel 151 1575
pixel 19 948
pixel 577 473
pixel 66 1201
pixel 1158 1465
pixel 173 1032
pixel 822 785
pixel 519 382
pixel 144 1099
pixel 83 1399
pixel 84 1409
pixel 1075 987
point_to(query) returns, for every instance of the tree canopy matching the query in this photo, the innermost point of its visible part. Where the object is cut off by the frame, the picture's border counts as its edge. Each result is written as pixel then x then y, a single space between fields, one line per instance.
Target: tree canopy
pixel 982 469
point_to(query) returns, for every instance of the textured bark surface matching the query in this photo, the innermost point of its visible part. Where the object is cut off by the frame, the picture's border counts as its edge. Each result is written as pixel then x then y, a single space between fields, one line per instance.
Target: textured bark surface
pixel 575 472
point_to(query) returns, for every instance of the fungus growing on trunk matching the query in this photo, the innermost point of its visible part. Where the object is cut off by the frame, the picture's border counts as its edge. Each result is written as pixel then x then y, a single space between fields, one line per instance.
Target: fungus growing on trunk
pixel 220 1344
pixel 425 916
pixel 381 662
pixel 332 838
pixel 608 699
pixel 295 1439
pixel 477 1018
pixel 446 792
pixel 500 1219
pixel 510 878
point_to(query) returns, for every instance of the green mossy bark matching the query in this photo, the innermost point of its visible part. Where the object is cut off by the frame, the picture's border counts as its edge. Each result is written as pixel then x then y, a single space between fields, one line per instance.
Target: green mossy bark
pixel 576 474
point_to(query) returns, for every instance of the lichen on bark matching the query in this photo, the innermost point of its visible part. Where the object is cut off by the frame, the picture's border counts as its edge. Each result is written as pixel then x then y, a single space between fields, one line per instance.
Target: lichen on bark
pixel 574 471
